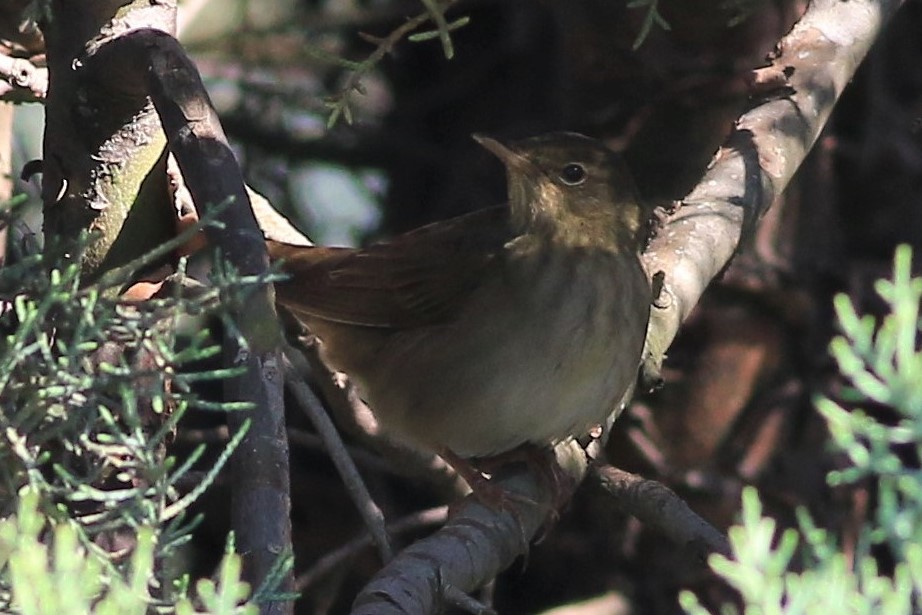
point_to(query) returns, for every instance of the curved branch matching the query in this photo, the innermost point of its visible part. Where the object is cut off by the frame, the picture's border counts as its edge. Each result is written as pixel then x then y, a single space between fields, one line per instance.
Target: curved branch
pixel 336 449
pixel 261 505
pixel 476 544
pixel 260 509
pixel 818 57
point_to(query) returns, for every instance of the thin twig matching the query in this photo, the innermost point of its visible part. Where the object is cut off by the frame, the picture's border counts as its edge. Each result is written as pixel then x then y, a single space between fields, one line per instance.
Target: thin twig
pixel 333 560
pixel 441 24
pixel 355 418
pixel 361 457
pixel 370 512
pixel 339 105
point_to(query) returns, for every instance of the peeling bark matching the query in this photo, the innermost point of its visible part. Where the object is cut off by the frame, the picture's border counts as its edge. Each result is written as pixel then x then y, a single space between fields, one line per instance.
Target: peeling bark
pixel 103 146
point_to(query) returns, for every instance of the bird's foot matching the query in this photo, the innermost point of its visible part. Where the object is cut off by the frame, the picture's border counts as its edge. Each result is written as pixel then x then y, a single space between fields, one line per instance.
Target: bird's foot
pixel 485 491
pixel 542 464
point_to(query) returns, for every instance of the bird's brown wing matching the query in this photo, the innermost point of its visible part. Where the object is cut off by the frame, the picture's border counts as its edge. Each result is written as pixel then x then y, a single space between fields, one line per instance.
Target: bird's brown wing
pixel 415 279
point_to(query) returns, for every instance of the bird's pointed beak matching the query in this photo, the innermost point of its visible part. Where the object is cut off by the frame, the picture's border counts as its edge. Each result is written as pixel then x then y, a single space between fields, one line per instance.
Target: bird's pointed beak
pixel 510 157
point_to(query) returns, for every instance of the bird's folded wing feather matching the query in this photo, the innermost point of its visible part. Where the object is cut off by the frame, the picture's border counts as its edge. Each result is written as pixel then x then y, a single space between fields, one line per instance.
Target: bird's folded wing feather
pixel 416 279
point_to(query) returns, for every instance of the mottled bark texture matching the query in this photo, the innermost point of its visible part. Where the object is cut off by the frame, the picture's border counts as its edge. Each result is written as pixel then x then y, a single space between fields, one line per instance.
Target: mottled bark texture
pixel 103 147
pixel 121 88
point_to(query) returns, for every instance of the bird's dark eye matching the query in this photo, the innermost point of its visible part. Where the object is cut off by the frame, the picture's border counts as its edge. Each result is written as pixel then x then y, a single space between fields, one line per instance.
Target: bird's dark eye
pixel 573 174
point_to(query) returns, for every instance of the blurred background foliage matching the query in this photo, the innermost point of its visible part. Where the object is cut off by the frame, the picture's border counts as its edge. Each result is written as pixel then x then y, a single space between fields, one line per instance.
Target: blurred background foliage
pixel 738 405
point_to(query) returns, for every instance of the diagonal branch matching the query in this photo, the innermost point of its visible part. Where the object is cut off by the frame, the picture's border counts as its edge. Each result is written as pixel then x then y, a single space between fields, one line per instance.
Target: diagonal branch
pixel 758 160
pixel 355 486
pixel 770 141
pixel 660 508
pixel 474 546
pixel 261 506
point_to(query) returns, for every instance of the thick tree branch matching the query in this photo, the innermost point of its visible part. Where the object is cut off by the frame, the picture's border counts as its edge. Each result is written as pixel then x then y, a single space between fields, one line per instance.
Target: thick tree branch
pixel 819 57
pixel 261 503
pixel 23 73
pixel 474 546
pixel 103 144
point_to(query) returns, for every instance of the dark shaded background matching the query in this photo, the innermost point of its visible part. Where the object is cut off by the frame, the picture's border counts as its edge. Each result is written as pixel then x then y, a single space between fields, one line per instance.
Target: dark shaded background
pixel 737 405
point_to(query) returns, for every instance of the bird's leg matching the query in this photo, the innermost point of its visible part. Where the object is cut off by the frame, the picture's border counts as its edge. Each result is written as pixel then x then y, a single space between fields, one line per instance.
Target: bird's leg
pixel 486 492
pixel 542 463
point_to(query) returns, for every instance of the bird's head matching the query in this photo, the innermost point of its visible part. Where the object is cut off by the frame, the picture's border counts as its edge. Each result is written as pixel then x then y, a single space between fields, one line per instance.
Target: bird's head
pixel 570 188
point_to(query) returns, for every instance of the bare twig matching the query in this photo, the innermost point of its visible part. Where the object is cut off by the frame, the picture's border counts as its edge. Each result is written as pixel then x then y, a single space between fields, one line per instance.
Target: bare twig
pixel 820 55
pixel 371 513
pixel 476 544
pixel 657 506
pixel 341 556
pixel 339 104
pixel 361 457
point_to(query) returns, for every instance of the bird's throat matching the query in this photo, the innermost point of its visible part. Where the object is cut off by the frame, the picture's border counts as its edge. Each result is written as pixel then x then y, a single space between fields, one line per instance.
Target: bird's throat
pixel 545 216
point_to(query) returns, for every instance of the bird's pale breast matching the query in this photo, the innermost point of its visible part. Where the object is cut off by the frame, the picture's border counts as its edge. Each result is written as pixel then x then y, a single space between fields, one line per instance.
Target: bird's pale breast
pixel 555 359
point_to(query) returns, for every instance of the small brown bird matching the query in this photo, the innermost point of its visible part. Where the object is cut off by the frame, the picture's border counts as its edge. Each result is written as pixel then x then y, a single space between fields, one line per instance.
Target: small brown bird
pixel 507 326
